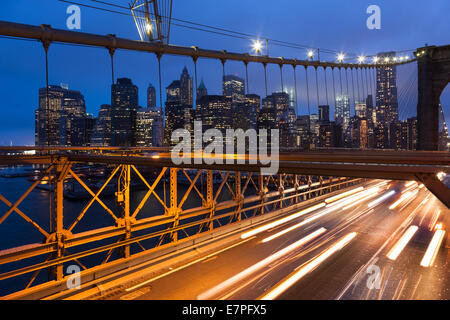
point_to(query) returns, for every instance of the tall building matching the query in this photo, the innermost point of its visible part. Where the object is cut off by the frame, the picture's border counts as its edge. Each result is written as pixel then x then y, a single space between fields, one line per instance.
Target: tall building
pixel 173 92
pixel 215 112
pixel 342 111
pixel 201 90
pixel 234 88
pixel 124 104
pixel 302 125
pixel 186 88
pixel 151 97
pixel 398 135
pixel 149 127
pixel 177 116
pixel 359 133
pixel 62 121
pixel 101 135
pixel 360 110
pixel 386 98
pixel 324 113
pixel 342 118
pixel 179 111
pixel 412 133
pixel 327 135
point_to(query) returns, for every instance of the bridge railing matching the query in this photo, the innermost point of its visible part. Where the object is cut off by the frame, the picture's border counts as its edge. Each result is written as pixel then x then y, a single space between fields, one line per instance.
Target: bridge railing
pixel 160 216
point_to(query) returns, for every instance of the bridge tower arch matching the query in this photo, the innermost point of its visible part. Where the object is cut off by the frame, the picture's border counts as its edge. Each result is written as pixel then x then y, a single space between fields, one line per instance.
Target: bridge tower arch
pixel 433 76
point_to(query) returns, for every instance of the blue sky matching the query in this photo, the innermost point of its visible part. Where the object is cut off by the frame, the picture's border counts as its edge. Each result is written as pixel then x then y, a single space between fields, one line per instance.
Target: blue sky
pixel 330 24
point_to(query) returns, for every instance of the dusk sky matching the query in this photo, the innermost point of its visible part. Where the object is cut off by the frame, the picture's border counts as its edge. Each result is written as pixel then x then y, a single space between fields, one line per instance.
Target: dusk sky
pixel 326 24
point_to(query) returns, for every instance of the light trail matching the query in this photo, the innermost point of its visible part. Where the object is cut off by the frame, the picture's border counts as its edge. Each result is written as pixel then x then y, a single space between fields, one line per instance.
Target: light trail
pixel 281 221
pixel 352 200
pixel 363 197
pixel 308 267
pixel 433 248
pixel 185 266
pixel 404 197
pixel 402 242
pixel 342 195
pixel 435 219
pixel 410 183
pixel 381 199
pixel 261 264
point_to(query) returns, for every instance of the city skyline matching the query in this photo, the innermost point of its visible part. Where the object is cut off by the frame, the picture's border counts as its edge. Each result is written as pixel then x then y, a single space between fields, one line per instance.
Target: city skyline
pixel 364 121
pixel 94 80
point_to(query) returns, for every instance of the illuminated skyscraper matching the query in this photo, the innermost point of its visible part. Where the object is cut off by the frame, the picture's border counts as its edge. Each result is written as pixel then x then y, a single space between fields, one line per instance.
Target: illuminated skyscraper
pixel 151 96
pixel 386 108
pixel 186 88
pixel 101 135
pixel 234 88
pixel 124 104
pixel 63 120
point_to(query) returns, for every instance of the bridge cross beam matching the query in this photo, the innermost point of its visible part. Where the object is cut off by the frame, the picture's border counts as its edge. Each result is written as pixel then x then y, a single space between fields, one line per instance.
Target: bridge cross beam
pixel 436 186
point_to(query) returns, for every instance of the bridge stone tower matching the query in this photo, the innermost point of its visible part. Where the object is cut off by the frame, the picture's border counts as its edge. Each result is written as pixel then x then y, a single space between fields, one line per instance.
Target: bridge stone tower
pixel 434 75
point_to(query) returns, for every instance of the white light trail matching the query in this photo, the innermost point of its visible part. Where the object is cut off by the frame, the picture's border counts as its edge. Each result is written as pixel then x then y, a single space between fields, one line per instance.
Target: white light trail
pixel 381 199
pixel 342 195
pixel 362 197
pixel 404 197
pixel 402 242
pixel 310 266
pixel 261 264
pixel 281 221
pixel 433 248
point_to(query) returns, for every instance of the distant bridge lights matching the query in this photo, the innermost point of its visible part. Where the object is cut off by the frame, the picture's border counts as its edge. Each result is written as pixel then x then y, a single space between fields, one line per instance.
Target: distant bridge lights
pixel 361 59
pixel 311 54
pixel 375 59
pixel 340 57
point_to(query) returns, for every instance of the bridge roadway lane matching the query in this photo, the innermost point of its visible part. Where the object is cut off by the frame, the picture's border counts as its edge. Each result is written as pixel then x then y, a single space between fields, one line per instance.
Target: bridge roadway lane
pixel 342 275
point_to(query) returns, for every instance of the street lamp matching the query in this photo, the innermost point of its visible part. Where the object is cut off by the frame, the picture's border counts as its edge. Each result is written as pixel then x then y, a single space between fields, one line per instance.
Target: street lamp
pixel 257 46
pixel 340 57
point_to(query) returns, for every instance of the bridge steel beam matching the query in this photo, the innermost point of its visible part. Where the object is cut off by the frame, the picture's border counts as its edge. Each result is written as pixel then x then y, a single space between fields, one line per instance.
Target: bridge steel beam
pixel 47 33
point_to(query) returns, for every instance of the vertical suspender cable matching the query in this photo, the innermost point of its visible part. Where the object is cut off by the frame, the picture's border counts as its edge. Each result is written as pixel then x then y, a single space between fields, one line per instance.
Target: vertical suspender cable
pixel 160 82
pixel 317 87
pixel 265 76
pixel 334 91
pixel 346 80
pixel 326 85
pixel 246 76
pixel 357 83
pixel 362 85
pixel 353 87
pixel 195 75
pixel 309 110
pixel 295 90
pixel 281 76
pixel 367 82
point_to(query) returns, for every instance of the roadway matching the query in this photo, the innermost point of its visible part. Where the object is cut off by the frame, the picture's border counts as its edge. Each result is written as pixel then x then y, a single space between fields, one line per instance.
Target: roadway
pixel 336 250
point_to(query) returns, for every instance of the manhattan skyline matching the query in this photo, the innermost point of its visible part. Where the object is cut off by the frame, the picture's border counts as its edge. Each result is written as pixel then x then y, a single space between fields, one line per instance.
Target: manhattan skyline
pixel 24 70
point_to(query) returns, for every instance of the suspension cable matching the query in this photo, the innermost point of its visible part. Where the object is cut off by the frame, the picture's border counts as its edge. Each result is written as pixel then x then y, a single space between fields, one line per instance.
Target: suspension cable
pixel 317 87
pixel 326 85
pixel 295 89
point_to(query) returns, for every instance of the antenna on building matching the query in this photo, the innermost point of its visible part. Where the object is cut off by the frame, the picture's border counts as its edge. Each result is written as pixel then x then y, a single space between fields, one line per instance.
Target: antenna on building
pixel 152 19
